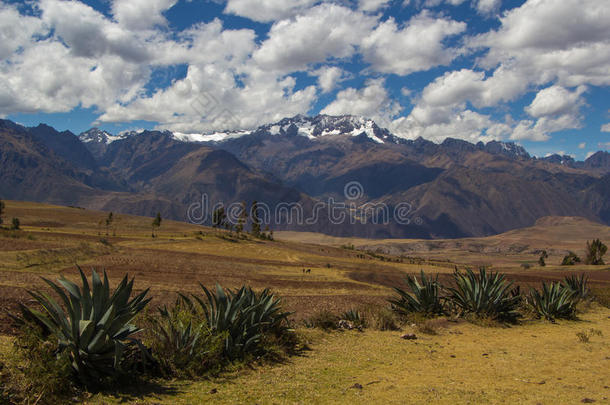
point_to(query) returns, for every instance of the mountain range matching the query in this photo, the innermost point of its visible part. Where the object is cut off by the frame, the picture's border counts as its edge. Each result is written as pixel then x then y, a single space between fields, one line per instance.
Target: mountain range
pixel 349 177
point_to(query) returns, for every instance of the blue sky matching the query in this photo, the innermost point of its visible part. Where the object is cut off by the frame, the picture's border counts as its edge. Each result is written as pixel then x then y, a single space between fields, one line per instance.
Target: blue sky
pixel 534 72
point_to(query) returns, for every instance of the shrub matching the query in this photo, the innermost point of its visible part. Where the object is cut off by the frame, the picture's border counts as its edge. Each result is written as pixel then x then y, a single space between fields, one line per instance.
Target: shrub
pixel 570 259
pixel 595 252
pixel 485 295
pixel 95 332
pixel 323 319
pixel 578 285
pixel 428 327
pixel 383 319
pixel 543 256
pixel 423 298
pixel 553 302
pixel 15 225
pixel 243 316
pixel 182 343
pixel 585 336
pixel 36 371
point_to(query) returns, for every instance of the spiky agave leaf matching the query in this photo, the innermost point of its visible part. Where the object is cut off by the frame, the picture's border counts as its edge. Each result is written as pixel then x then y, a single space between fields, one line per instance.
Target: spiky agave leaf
pixel 578 285
pixel 242 315
pixel 484 294
pixel 175 339
pixel 354 316
pixel 553 302
pixel 423 298
pixel 93 326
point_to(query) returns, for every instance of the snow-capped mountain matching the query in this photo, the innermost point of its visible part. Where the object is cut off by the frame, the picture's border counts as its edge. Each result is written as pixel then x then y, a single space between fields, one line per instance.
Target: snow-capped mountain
pixel 97 140
pixel 99 136
pixel 212 137
pixel 310 127
pixel 326 125
pixel 509 149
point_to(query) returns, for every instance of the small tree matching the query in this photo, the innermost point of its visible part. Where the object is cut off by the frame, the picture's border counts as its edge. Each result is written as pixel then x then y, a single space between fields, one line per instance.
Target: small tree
pixel 156 223
pixel 595 252
pixel 256 222
pixel 543 257
pixel 16 225
pixel 109 220
pixel 243 217
pixel 219 217
pixel 1 210
pixel 570 259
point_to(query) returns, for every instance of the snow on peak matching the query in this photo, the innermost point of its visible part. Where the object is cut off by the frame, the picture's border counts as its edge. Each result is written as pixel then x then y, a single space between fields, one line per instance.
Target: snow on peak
pixel 211 137
pixel 327 125
pixel 99 136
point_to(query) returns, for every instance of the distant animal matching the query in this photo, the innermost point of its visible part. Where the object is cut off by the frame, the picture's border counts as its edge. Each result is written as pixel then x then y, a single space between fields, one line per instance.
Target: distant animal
pixel 308 271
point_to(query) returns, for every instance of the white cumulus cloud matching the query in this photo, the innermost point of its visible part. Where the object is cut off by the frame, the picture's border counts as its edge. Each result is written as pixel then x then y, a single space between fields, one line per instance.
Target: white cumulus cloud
pixel 325 32
pixel 372 101
pixel 417 45
pixel 267 10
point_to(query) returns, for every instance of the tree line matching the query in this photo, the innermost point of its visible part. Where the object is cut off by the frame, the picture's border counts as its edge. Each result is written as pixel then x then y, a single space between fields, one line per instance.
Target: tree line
pixel 220 220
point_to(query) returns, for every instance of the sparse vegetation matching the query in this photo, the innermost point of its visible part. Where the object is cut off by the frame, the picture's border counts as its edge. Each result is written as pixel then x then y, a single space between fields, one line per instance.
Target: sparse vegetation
pixel 47 258
pixel 586 335
pixel 2 207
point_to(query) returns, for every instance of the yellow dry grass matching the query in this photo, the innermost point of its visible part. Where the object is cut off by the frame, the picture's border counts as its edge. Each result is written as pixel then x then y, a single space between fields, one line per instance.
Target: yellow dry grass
pixel 535 363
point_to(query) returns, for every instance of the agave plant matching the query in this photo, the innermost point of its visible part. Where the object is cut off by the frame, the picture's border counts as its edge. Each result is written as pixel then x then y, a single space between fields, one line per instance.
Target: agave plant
pixel 578 285
pixel 423 298
pixel 554 302
pixel 243 315
pixel 174 335
pixel 485 294
pixel 181 341
pixel 93 327
pixel 354 316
